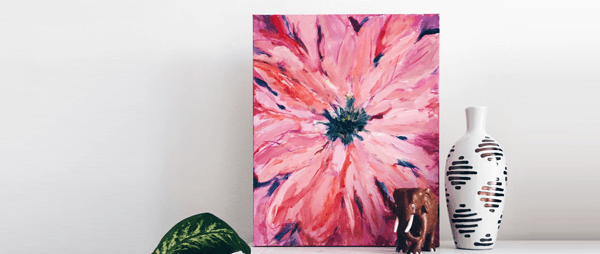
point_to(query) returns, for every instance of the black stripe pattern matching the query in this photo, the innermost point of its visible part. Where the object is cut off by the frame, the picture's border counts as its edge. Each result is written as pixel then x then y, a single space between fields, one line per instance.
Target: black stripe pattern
pixel 489 149
pixel 486 241
pixel 459 172
pixel 465 220
pixel 492 194
pixel 451 151
pixel 499 221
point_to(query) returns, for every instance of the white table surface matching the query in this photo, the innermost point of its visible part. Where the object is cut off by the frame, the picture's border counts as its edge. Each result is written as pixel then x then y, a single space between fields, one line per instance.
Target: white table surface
pixel 501 247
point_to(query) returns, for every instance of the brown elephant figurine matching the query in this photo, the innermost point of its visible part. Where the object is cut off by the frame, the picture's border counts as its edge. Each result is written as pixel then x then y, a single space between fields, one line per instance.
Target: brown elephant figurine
pixel 417 211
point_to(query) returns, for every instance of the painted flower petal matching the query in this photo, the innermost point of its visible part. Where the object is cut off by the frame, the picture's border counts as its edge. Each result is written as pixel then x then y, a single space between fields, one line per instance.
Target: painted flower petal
pixel 272 119
pixel 294 52
pixel 402 122
pixel 281 55
pixel 366 57
pixel 422 59
pixel 395 39
pixel 269 130
pixel 287 88
pixel 405 95
pixel 396 28
pixel 265 102
pixel 387 170
pixel 272 31
pixel 305 29
pixel 281 208
pixel 365 210
pixel 310 197
pixel 388 150
pixel 292 151
pixel 338 49
pixel 261 233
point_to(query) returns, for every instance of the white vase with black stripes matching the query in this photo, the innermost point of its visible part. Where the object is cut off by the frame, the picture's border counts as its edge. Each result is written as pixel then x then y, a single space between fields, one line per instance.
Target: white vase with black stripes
pixel 475 185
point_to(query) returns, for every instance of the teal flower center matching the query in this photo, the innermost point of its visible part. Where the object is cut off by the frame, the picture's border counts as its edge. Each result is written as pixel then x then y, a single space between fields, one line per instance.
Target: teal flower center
pixel 346 123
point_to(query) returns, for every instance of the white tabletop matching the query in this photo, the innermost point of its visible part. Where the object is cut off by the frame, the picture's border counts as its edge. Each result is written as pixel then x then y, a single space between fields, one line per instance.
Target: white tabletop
pixel 502 247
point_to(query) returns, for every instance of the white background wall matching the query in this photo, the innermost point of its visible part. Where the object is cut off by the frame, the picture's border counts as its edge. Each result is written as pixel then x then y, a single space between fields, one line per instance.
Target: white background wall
pixel 120 118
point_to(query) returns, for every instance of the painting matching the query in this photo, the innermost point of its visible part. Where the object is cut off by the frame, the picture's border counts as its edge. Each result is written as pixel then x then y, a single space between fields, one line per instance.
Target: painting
pixel 346 110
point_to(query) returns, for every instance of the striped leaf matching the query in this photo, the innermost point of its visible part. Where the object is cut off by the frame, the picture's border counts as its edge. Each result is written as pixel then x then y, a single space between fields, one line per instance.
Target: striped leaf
pixel 202 233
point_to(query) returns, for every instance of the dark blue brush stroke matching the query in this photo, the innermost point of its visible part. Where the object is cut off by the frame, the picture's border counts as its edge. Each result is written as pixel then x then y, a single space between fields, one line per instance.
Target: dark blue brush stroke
pixel 264 84
pixel 383 188
pixel 357 25
pixel 296 229
pixel 358 204
pixel 385 194
pixel 273 184
pixel 406 164
pixel 287 25
pixel 319 39
pixel 414 170
pixel 402 137
pixel 258 184
pixel 273 187
pixel 260 52
pixel 377 58
pixel 287 228
pixel 428 31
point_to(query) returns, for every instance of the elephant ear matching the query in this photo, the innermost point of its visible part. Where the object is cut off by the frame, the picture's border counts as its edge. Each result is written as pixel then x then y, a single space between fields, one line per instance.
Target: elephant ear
pixel 427 204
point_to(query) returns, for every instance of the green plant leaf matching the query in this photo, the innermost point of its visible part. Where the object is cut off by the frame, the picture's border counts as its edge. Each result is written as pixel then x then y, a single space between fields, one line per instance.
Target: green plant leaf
pixel 199 234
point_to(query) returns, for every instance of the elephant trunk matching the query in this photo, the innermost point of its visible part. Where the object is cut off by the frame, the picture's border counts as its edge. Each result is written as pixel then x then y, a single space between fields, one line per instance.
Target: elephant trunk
pixel 408 235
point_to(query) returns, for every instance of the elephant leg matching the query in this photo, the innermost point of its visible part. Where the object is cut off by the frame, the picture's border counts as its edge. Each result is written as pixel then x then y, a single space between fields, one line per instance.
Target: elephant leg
pixel 429 242
pixel 402 246
pixel 416 246
pixel 430 239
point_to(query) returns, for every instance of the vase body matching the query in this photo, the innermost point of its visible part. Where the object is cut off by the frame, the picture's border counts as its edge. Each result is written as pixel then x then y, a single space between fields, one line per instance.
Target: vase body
pixel 476 176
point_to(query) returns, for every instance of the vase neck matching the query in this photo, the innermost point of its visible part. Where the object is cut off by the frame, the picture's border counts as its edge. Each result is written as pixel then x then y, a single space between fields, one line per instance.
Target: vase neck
pixel 476 119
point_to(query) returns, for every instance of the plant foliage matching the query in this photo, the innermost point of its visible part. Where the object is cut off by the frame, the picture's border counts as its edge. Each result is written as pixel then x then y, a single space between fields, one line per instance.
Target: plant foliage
pixel 199 234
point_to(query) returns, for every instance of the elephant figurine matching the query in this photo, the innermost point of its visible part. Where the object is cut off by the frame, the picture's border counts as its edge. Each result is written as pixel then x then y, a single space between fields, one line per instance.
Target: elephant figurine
pixel 417 214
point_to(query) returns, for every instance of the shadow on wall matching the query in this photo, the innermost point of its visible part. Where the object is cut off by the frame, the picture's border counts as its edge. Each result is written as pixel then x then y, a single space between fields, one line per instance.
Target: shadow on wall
pixel 208 150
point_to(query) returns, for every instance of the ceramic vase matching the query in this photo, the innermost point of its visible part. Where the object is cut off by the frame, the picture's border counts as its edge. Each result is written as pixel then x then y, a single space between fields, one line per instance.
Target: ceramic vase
pixel 475 179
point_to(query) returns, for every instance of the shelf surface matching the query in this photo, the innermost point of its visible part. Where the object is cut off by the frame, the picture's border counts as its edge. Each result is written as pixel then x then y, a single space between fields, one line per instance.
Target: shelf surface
pixel 501 247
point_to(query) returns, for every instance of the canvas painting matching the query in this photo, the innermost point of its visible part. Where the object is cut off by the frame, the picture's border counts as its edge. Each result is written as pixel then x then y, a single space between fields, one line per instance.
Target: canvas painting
pixel 346 110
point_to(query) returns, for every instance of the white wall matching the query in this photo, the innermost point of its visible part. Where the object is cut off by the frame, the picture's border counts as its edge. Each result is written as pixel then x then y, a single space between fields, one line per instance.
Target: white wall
pixel 118 119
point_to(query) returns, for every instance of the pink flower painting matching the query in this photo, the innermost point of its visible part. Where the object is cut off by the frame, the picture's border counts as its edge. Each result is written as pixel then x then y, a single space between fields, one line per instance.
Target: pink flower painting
pixel 345 111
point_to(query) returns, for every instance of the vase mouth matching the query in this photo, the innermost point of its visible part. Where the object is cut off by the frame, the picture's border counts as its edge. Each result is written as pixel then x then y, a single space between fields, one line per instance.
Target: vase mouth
pixel 477 108
pixel 476 118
